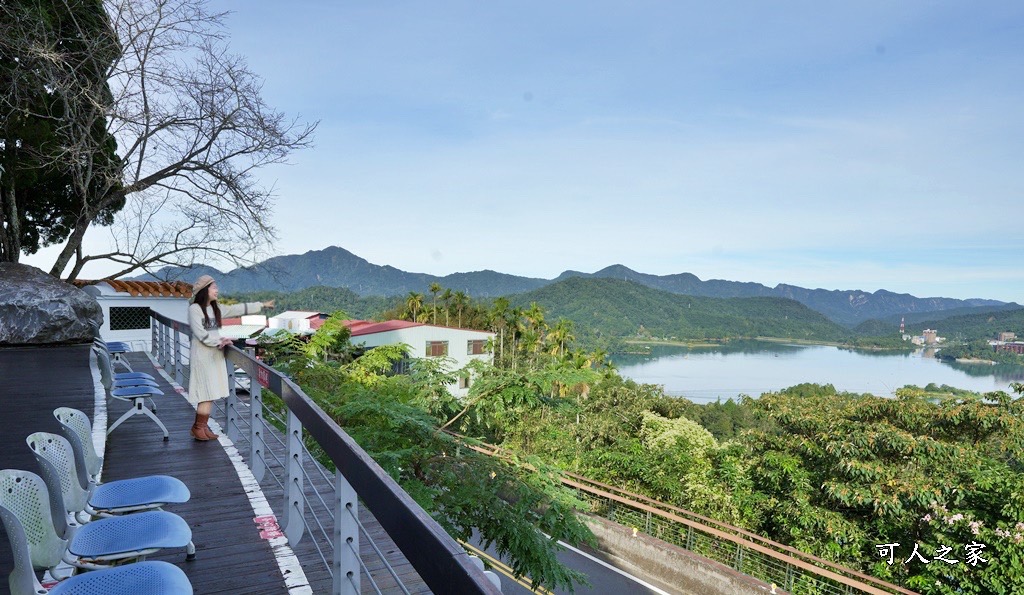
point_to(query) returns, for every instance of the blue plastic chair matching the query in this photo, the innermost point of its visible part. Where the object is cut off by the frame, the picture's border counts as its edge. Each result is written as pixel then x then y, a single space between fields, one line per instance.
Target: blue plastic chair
pixel 155 578
pixel 100 499
pixel 95 545
pixel 134 390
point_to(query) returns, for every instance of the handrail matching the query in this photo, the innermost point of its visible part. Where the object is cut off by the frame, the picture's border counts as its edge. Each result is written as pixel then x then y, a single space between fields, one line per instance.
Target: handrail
pixel 441 562
pixel 740 537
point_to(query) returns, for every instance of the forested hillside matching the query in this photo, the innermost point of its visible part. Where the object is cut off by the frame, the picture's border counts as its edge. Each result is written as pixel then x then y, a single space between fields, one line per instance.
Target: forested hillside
pixel 975 326
pixel 624 309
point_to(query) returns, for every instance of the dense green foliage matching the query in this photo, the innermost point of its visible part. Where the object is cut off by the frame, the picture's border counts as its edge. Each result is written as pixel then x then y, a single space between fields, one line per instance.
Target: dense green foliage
pixel 40 203
pixel 832 474
pixel 626 309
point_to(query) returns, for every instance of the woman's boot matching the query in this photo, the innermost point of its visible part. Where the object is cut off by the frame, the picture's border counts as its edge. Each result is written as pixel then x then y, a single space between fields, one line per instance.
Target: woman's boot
pixel 205 419
pixel 198 426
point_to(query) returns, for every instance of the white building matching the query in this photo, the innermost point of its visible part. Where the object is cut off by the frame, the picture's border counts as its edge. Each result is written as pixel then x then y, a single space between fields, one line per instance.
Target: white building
pixel 460 345
pixel 126 306
pixel 296 321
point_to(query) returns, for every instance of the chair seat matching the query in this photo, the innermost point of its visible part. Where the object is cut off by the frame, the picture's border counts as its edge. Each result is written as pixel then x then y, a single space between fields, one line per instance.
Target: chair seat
pixel 121 536
pixel 152 578
pixel 136 391
pixel 150 491
pixel 117 347
pixel 133 376
pixel 131 382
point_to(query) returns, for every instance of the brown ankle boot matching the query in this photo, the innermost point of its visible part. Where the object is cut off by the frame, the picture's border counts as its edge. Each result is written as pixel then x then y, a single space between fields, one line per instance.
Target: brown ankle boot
pixel 204 420
pixel 197 428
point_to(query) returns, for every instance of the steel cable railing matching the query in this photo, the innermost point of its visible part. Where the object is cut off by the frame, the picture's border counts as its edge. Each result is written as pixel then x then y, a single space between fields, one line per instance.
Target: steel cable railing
pixel 438 559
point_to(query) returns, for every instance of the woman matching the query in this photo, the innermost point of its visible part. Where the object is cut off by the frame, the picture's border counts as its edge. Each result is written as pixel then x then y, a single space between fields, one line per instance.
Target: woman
pixel 208 375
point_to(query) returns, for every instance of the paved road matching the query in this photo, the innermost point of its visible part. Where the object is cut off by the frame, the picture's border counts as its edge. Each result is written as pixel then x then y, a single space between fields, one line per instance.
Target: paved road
pixel 605 579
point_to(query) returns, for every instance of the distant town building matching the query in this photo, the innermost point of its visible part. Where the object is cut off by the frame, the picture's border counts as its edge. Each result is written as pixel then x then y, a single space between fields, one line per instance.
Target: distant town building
pixel 297 321
pixel 1013 347
pixel 1006 336
pixel 425 340
pixel 930 336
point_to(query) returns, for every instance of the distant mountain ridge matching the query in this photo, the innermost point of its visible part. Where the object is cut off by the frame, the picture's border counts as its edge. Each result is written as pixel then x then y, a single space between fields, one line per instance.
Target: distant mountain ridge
pixel 337 267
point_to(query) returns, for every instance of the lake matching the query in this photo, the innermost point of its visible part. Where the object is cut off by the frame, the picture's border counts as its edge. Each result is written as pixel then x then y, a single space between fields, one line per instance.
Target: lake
pixel 705 374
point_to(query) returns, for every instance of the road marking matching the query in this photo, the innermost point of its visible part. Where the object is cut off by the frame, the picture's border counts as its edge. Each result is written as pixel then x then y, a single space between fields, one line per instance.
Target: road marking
pixel 505 569
pixel 614 569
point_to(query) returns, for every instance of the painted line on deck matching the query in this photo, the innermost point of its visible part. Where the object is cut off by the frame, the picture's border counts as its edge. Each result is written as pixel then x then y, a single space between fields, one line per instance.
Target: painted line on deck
pixel 291 570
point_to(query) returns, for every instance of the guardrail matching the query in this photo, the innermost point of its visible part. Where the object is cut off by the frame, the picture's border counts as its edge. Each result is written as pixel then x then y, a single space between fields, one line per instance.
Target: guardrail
pixel 438 559
pixel 754 555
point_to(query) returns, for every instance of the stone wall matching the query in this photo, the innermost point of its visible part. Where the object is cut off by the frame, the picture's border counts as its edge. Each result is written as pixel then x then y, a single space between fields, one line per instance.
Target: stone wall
pixel 684 572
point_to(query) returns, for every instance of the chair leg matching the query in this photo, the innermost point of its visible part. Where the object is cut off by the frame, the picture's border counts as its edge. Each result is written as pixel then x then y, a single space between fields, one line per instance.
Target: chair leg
pixel 139 408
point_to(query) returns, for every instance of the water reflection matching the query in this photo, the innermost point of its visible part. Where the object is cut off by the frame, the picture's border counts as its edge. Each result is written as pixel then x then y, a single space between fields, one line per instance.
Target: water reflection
pixel 754 367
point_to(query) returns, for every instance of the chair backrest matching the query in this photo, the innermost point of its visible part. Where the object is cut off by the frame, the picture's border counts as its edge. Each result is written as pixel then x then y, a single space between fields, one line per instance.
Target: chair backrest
pixel 57 462
pixel 106 367
pixel 22 580
pixel 26 503
pixel 77 428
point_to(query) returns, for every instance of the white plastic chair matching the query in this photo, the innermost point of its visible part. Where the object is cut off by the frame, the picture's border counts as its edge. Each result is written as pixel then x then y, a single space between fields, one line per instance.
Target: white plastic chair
pixel 93 546
pixel 155 578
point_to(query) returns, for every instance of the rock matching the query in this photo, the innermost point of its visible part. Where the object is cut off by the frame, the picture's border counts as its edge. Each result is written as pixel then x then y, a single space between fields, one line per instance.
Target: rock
pixel 37 309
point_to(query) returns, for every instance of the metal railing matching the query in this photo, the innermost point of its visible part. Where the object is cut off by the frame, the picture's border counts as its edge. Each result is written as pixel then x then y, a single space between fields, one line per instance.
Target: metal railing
pixel 315 501
pixel 790 569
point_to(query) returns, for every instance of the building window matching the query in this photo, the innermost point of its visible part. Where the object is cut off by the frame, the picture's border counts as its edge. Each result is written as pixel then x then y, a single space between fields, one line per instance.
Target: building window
pixel 463 382
pixel 475 347
pixel 128 318
pixel 437 348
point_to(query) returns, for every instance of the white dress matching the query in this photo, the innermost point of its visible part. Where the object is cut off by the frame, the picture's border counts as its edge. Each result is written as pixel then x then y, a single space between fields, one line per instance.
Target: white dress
pixel 208 372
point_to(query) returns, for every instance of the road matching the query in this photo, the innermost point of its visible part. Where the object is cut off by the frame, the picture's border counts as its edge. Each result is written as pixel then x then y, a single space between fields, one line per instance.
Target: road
pixel 605 579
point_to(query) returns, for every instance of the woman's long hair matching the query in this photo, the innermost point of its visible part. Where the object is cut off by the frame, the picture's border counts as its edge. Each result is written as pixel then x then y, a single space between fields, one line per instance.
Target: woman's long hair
pixel 203 299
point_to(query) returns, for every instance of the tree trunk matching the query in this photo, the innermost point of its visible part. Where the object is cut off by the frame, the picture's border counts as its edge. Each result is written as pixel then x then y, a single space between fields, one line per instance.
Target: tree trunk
pixel 74 242
pixel 10 227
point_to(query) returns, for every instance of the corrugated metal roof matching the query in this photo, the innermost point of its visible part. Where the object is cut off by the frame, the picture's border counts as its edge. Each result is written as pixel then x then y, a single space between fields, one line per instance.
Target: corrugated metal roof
pixel 143 288
pixel 369 327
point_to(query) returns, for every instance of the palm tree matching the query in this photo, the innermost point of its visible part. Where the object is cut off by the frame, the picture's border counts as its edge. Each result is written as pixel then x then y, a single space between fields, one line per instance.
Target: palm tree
pixel 435 288
pixel 413 303
pixel 559 335
pixel 446 299
pixel 461 300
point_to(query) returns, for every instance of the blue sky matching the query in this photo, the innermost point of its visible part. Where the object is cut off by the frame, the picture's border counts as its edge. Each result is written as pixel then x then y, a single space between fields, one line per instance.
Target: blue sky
pixel 855 145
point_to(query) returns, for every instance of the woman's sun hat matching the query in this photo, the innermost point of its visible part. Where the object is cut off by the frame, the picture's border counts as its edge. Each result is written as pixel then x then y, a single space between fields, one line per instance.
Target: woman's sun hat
pixel 201 284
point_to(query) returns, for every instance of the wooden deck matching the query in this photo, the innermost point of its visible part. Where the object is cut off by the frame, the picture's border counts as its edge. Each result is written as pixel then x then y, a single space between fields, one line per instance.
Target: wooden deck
pixel 231 555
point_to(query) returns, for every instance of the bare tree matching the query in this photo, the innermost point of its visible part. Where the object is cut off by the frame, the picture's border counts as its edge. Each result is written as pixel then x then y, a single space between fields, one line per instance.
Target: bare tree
pixel 190 126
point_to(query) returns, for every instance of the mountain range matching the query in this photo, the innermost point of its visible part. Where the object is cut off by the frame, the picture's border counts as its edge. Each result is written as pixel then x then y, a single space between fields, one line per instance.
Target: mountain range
pixel 337 267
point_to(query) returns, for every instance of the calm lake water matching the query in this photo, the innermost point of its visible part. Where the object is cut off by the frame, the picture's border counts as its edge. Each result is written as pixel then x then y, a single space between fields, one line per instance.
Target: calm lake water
pixel 753 367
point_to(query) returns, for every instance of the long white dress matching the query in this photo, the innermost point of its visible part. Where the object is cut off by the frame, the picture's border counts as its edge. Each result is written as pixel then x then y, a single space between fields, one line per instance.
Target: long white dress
pixel 208 372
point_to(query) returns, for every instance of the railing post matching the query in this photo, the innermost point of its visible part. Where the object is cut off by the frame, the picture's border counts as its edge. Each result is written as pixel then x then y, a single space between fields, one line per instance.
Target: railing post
pixel 295 506
pixel 257 447
pixel 739 558
pixel 689 537
pixel 231 406
pixel 152 336
pixel 164 358
pixel 346 537
pixel 179 372
pixel 789 577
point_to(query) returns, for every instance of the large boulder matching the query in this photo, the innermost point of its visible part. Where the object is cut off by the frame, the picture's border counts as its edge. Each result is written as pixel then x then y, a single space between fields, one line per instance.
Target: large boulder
pixel 37 309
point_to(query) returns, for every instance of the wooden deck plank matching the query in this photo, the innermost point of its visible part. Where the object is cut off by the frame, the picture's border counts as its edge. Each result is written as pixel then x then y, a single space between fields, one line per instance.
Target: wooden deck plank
pixel 33 382
pixel 231 557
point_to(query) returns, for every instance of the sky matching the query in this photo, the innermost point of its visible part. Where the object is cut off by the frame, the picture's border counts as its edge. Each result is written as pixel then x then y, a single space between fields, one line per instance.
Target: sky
pixel 839 145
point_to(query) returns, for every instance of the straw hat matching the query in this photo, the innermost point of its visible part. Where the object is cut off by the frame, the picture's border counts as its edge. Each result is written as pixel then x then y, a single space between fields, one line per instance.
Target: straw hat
pixel 200 284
